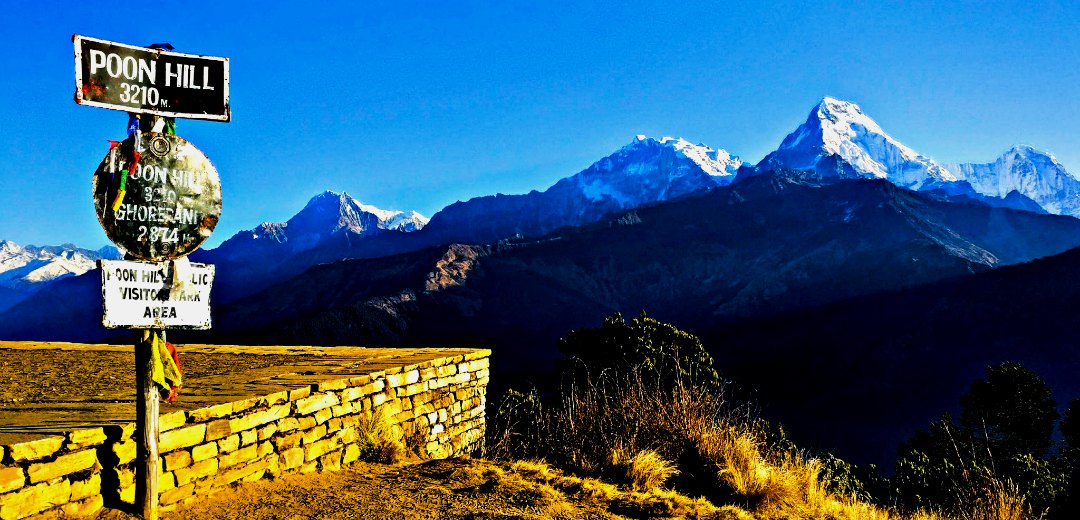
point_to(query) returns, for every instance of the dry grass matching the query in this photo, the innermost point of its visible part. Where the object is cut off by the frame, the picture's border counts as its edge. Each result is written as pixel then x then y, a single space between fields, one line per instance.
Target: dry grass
pixel 629 432
pixel 379 440
pixel 652 503
pixel 533 490
pixel 785 485
pixel 725 471
pixel 447 489
pixel 999 501
pixel 647 471
pixel 777 486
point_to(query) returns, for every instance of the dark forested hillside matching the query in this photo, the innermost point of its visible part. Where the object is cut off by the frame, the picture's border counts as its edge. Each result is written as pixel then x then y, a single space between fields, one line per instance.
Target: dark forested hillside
pixel 880 366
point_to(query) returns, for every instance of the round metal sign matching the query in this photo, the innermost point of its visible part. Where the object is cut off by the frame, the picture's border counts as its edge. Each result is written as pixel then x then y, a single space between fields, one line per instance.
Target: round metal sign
pixel 158 198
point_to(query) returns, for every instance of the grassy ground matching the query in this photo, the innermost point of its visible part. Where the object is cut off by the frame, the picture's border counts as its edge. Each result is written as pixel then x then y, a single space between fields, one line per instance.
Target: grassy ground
pixel 471 489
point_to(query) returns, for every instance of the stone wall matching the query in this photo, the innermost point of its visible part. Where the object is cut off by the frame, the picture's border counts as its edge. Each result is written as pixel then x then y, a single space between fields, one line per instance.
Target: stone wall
pixel 435 407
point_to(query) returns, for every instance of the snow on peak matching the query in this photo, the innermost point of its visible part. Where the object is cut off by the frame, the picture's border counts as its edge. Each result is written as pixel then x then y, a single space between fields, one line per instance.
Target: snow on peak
pixel 839 140
pixel 650 170
pixel 830 105
pixel 844 121
pixel 326 216
pixel 274 231
pixel 406 221
pixel 349 209
pixel 27 267
pixel 383 214
pixel 840 129
pixel 718 163
pixel 1031 172
pixel 9 247
pixel 1030 152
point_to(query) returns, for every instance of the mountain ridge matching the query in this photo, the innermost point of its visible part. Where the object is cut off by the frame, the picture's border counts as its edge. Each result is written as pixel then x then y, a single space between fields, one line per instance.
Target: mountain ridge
pixel 838 140
pixel 645 171
pixel 25 270
pixel 847 222
pixel 1028 171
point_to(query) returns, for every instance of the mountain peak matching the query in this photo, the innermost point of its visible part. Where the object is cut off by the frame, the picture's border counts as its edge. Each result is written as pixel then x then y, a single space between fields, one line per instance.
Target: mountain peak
pixel 347 208
pixel 1028 152
pixel 844 116
pixel 327 197
pixel 327 217
pixel 716 163
pixel 644 171
pixel 1033 173
pixel 28 268
pixel 831 105
pixel 839 140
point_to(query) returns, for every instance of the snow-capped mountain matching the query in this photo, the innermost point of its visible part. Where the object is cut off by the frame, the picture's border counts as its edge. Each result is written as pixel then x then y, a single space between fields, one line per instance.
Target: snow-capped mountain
pixel 839 140
pixel 651 170
pixel 405 221
pixel 326 216
pixel 329 213
pixel 331 226
pixel 1034 174
pixel 645 171
pixel 26 268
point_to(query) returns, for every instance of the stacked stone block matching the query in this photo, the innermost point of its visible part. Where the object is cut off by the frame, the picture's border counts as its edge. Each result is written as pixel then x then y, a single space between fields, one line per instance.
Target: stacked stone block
pixel 436 408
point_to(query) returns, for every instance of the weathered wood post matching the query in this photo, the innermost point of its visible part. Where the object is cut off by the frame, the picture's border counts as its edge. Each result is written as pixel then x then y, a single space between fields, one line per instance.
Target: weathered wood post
pixel 146 410
pixel 158 198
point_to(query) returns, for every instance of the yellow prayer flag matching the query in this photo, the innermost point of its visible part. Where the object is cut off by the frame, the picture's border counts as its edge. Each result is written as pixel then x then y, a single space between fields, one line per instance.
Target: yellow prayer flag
pixel 119 200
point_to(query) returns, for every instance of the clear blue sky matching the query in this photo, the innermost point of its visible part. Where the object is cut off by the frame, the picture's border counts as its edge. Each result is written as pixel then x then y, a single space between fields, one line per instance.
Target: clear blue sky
pixel 413 105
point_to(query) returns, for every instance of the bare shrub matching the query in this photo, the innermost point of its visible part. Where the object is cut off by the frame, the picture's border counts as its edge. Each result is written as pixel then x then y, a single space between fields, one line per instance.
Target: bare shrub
pixel 378 440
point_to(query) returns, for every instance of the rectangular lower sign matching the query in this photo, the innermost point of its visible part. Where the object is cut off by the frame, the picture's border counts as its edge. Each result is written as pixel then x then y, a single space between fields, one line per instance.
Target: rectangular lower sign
pixel 150 81
pixel 173 295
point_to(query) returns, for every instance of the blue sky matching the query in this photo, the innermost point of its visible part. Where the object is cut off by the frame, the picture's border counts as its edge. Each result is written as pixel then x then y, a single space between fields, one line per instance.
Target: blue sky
pixel 413 105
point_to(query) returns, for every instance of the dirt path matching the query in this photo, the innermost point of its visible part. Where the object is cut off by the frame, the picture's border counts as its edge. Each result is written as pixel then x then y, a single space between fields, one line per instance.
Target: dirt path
pixel 441 489
pixel 451 489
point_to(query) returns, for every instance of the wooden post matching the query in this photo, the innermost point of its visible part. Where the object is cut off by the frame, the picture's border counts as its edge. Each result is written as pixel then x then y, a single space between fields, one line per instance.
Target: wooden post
pixel 148 467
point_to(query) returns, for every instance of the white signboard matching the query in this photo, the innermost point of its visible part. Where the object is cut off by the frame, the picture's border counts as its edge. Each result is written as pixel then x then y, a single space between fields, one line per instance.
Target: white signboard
pixel 169 294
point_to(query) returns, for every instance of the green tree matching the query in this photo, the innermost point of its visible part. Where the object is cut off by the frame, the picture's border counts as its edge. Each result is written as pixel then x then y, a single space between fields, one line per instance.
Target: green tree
pixel 1012 410
pixel 1070 431
pixel 1069 506
pixel 653 349
pixel 1003 434
pixel 627 386
pixel 932 466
